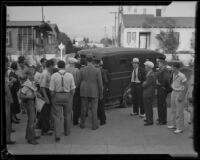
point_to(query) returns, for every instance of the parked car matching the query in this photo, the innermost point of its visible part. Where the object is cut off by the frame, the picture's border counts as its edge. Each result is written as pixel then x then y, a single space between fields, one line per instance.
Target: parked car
pixel 117 61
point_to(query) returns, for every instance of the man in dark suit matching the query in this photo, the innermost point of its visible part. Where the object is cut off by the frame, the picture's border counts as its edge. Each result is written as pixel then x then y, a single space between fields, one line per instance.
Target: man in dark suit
pixel 105 79
pixel 138 77
pixel 163 88
pixel 149 91
pixel 91 90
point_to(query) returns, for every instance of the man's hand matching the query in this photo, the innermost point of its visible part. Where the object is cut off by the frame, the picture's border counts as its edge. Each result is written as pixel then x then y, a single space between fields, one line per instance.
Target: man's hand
pixel 47 101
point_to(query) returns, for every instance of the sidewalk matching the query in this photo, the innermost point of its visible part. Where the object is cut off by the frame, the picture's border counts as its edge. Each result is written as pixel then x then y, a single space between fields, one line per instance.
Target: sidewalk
pixel 123 134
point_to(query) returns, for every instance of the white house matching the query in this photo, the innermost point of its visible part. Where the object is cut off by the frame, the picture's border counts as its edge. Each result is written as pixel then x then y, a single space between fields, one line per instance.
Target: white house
pixel 138 10
pixel 139 31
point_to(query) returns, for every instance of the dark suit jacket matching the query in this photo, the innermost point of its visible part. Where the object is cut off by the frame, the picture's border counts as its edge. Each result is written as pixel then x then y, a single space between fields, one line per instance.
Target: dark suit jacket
pixel 105 77
pixel 91 82
pixel 149 85
pixel 163 77
pixel 141 74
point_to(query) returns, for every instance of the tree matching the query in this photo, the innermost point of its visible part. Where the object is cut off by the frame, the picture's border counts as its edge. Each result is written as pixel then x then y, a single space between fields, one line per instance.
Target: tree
pixel 168 42
pixel 62 37
pixel 86 40
pixel 106 42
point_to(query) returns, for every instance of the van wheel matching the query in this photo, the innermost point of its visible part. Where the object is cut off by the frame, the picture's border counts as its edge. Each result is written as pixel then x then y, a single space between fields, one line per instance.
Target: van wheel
pixel 127 98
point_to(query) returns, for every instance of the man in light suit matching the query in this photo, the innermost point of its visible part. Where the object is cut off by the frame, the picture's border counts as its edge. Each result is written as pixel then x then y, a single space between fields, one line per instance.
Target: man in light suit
pixel 91 90
pixel 137 78
pixel 149 86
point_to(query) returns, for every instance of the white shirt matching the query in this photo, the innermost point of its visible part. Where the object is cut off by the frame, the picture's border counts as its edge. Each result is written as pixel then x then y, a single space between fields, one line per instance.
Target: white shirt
pixel 56 82
pixel 136 80
pixel 178 81
pixel 45 79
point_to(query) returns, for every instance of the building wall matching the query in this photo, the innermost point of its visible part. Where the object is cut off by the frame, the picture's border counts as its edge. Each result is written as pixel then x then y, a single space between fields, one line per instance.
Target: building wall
pixel 149 9
pixel 13 47
pixel 185 35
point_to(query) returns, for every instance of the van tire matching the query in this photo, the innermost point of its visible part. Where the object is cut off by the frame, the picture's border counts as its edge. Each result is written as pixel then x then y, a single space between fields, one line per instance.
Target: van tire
pixel 127 98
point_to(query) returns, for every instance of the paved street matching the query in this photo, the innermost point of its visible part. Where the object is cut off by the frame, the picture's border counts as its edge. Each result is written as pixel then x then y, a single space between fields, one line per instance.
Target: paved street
pixel 123 134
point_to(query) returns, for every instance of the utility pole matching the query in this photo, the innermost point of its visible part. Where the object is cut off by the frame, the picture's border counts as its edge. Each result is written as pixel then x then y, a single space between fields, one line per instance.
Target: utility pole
pixel 115 26
pixel 120 13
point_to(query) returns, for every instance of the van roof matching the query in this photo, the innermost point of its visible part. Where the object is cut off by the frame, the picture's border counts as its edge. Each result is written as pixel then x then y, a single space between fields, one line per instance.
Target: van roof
pixel 102 52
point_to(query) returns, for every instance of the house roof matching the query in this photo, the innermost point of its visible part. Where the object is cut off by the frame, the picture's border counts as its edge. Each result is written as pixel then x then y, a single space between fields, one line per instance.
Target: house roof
pixel 23 23
pixel 150 21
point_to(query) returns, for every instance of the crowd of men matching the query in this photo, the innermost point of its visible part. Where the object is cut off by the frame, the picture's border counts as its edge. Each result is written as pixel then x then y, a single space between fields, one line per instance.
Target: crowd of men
pixel 71 89
pixel 145 83
pixel 80 86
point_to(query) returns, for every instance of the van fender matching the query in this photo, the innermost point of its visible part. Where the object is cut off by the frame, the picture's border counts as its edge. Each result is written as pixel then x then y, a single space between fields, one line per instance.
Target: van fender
pixel 127 97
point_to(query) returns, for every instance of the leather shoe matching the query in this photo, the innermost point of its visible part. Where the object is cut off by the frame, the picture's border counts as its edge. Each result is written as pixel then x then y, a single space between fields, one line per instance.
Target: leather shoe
pixel 102 123
pixel 33 142
pixel 66 134
pixel 12 130
pixel 47 133
pixel 57 139
pixel 148 124
pixel 75 123
pixel 11 142
pixel 37 137
pixel 81 126
pixel 95 128
pixel 134 114
pixel 161 123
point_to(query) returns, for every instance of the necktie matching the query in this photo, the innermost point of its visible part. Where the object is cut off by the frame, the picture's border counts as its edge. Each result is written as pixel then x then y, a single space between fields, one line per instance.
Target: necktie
pixel 134 74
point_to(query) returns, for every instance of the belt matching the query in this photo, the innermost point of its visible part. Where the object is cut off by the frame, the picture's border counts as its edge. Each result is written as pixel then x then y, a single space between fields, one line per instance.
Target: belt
pixel 62 92
pixel 177 90
pixel 136 82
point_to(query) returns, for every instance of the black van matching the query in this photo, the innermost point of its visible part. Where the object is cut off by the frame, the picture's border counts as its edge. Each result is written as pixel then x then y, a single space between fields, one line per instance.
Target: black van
pixel 118 63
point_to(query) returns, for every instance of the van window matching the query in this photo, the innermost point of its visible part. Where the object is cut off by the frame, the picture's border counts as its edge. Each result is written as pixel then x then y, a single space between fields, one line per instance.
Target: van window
pixel 123 61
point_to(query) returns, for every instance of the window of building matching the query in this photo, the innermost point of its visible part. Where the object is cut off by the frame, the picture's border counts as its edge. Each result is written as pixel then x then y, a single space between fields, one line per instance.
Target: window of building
pixel 134 36
pixel 177 35
pixel 128 37
pixel 7 38
pixel 158 12
pixel 123 61
pixel 144 10
pixel 25 39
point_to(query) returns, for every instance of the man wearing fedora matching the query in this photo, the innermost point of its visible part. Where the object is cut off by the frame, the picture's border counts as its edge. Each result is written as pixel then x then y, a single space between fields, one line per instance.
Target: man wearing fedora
pixel 76 99
pixel 137 78
pixel 91 90
pixel 149 91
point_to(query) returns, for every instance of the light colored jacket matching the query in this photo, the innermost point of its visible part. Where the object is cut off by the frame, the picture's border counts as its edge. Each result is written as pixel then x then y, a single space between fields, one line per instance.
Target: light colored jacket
pixel 91 82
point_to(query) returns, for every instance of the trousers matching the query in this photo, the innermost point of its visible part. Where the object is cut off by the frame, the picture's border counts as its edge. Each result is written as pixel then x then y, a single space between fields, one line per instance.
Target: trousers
pixel 76 106
pixel 45 115
pixel 30 128
pixel 8 122
pixel 148 109
pixel 100 111
pixel 162 104
pixel 136 91
pixel 177 110
pixel 57 115
pixel 92 104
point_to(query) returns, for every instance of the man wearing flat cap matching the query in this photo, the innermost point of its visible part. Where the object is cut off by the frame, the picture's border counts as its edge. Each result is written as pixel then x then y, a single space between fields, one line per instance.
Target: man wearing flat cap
pixel 163 88
pixel 76 99
pixel 137 78
pixel 149 86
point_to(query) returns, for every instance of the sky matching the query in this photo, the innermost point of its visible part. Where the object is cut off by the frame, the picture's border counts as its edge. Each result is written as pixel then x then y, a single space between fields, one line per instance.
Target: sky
pixel 86 21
